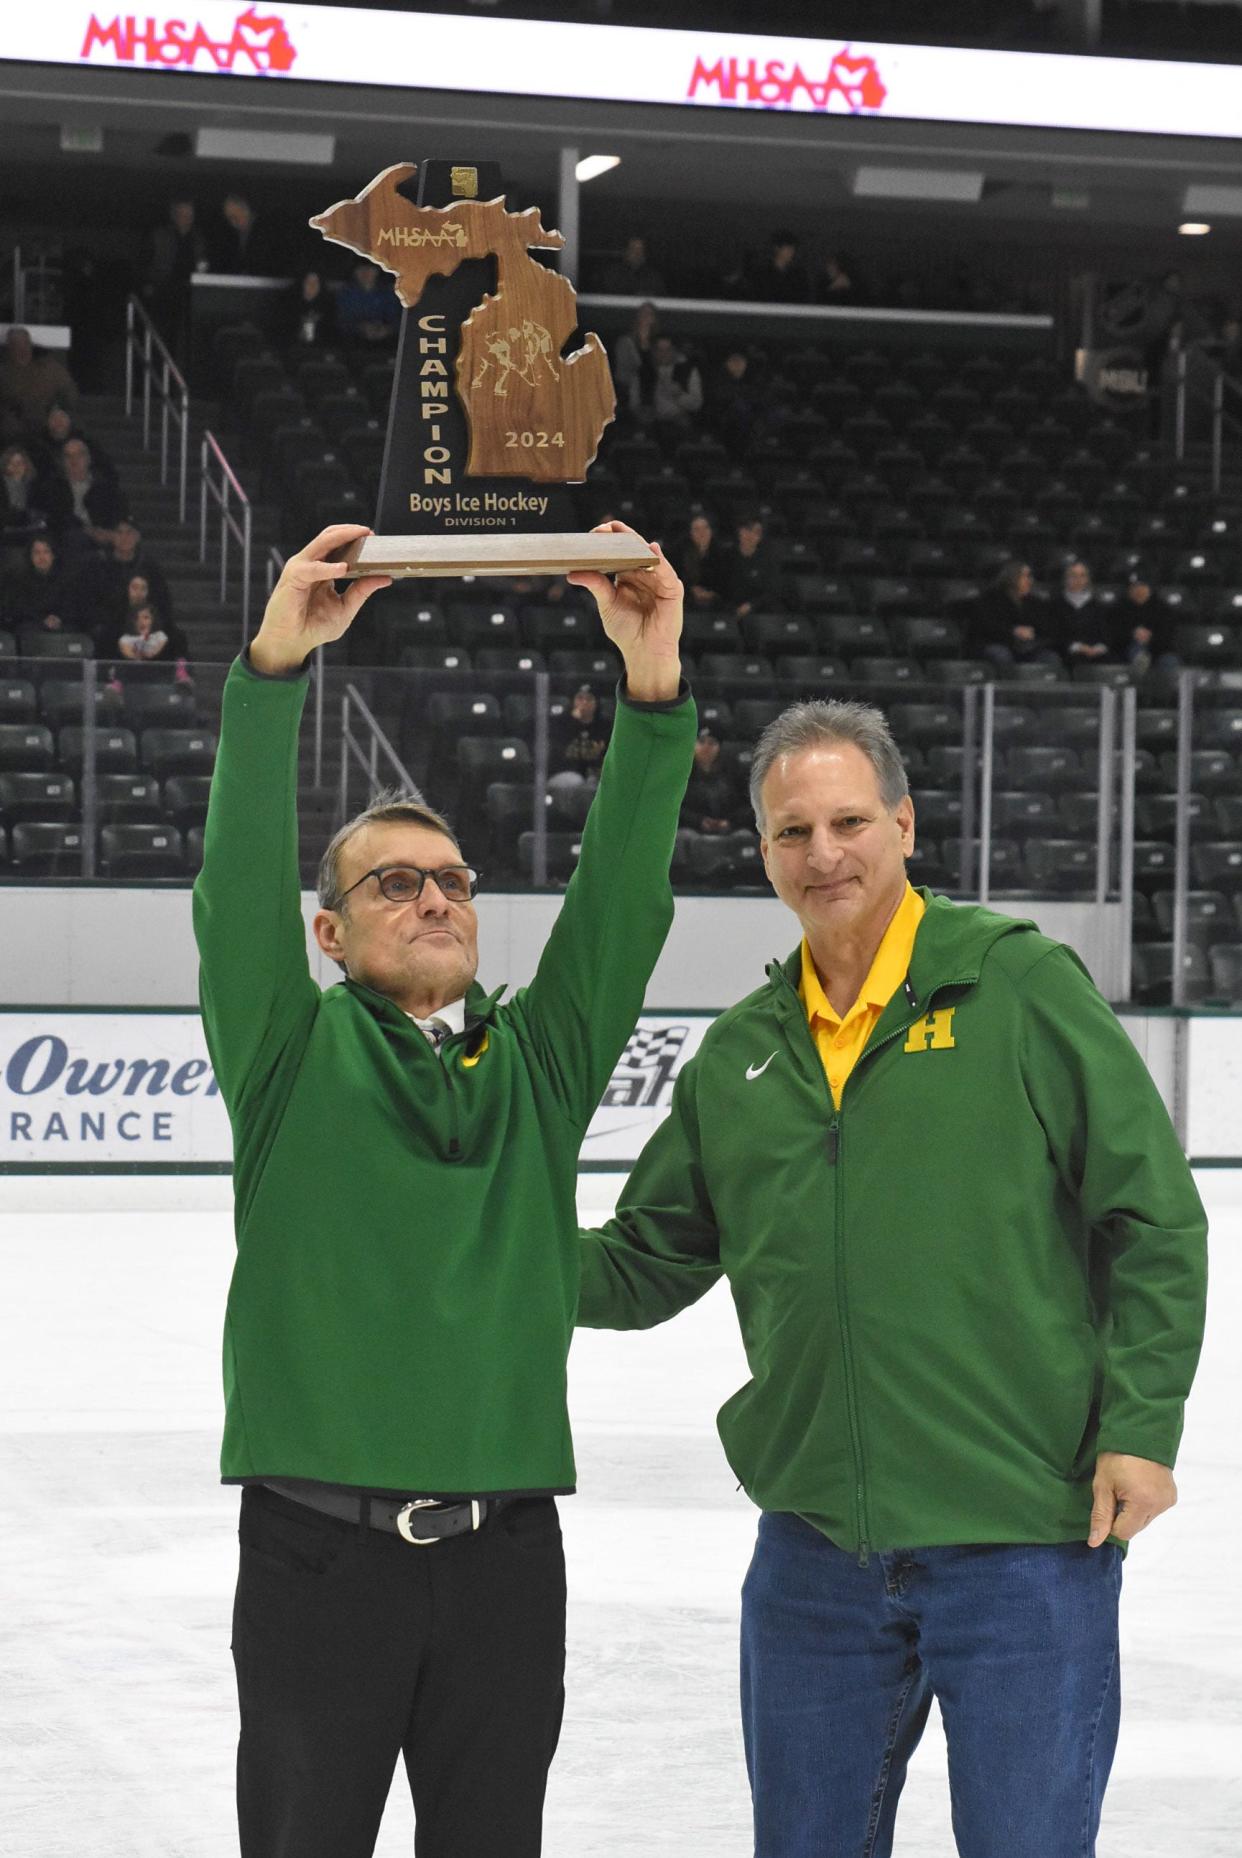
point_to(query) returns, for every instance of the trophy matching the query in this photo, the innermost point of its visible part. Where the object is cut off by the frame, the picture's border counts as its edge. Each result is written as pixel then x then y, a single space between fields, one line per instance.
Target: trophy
pixel 490 421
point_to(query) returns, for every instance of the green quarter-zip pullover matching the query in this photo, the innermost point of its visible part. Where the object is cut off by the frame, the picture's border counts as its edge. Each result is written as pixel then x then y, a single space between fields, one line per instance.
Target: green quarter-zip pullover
pixel 984 1269
pixel 407 1267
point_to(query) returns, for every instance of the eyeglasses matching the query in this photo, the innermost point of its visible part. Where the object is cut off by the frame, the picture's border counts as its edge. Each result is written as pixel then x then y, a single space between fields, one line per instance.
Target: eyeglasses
pixel 403 883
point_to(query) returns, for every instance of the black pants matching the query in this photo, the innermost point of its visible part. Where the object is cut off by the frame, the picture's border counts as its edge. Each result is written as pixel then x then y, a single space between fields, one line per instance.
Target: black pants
pixel 352 1647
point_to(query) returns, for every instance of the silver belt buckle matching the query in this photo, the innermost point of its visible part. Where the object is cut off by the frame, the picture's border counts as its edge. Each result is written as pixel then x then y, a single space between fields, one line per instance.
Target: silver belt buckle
pixel 427 1503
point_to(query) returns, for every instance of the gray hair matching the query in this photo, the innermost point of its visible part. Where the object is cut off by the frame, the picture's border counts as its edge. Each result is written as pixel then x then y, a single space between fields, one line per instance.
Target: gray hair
pixel 389 804
pixel 823 722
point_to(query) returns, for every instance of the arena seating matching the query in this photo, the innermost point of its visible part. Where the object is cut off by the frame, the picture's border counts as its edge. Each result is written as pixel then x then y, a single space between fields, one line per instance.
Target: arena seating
pixel 891 486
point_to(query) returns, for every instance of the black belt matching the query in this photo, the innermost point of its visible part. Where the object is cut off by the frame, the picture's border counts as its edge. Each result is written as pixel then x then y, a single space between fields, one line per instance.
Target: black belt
pixel 421 1520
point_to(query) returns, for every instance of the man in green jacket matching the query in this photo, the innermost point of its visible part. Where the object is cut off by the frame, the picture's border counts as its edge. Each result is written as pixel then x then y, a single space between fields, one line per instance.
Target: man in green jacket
pixel 405 1165
pixel 968 1261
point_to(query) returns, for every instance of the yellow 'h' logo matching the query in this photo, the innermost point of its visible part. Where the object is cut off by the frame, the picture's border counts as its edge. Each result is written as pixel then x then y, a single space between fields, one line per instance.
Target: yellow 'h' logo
pixel 934 1032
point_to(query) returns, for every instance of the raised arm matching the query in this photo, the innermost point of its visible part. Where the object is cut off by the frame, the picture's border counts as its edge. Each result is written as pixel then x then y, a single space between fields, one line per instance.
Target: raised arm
pixel 588 991
pixel 255 986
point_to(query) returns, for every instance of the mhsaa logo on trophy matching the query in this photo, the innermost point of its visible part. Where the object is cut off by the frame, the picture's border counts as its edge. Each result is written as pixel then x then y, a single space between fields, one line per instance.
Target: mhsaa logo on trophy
pixel 258 44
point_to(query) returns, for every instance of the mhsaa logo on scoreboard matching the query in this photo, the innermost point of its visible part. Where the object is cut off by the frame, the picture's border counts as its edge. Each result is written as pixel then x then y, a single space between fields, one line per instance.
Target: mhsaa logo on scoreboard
pixel 852 83
pixel 257 45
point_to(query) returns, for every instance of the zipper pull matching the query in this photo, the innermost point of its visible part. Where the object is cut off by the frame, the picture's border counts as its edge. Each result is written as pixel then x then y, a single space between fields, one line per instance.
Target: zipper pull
pixel 834 1144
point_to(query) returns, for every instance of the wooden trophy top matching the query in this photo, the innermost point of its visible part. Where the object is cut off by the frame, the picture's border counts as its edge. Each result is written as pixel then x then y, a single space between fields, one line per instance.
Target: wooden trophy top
pixel 531 411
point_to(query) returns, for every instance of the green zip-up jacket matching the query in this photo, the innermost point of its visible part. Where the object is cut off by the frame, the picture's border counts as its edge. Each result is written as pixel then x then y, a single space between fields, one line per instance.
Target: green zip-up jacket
pixel 987 1267
pixel 407 1258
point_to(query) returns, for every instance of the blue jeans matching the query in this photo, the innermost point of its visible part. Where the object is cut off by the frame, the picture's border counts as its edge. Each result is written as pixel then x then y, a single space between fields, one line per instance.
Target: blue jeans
pixel 840 1663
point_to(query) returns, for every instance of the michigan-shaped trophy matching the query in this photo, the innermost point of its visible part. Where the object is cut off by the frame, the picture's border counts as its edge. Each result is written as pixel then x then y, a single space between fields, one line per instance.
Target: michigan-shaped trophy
pixel 490 420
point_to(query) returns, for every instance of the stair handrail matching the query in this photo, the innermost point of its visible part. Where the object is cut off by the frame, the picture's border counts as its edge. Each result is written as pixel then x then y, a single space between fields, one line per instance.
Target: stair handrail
pixel 145 347
pixel 367 753
pixel 220 489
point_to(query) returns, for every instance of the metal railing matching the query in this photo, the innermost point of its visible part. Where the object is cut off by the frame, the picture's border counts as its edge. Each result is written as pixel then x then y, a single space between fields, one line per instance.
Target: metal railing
pixel 218 483
pixel 1114 765
pixel 145 349
pixel 366 753
pixel 1223 400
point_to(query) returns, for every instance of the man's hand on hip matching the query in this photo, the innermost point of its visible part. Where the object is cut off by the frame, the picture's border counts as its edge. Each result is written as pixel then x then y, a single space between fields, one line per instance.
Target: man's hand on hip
pixel 641 613
pixel 305 610
pixel 1129 1493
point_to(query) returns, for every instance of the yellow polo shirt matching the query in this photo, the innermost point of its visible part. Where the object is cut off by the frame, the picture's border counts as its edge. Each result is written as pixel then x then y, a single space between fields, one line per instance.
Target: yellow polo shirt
pixel 840 1041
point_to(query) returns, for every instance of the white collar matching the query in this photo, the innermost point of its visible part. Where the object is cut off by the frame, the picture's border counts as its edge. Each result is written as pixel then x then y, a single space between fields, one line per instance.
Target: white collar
pixel 452 1014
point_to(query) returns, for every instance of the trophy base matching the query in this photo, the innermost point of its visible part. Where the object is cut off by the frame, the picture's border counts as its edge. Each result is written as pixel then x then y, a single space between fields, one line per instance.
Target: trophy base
pixel 418 556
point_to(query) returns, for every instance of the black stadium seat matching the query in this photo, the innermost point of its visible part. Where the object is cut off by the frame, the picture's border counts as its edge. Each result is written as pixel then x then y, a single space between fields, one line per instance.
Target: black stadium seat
pixel 1216 864
pixel 116 750
pixel 1225 969
pixel 46 848
pixel 178 751
pixel 19 702
pixel 564 850
pixel 1207 913
pixel 128 797
pixel 36 796
pixel 25 746
pixel 185 799
pixel 147 852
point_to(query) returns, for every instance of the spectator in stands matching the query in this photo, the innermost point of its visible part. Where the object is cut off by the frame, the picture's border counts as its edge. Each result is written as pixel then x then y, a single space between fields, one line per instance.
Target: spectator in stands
pixel 367 309
pixel 150 641
pixel 734 400
pixel 834 282
pixel 633 363
pixel 175 251
pixel 107 579
pixel 22 500
pixel 670 393
pixel 30 384
pixel 85 504
pixel 712 802
pixel 1008 624
pixel 39 595
pixel 702 565
pixel 579 756
pixel 751 577
pixel 47 444
pixel 1143 633
pixel 1077 625
pixel 632 274
pixel 780 278
pixel 245 245
pixel 310 314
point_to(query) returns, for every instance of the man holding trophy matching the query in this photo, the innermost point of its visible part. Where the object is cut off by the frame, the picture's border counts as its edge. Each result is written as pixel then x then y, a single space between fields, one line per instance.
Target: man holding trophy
pixel 407 1271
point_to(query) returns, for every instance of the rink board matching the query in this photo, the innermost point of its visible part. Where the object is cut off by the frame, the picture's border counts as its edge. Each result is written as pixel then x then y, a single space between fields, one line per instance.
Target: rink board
pixel 107 1090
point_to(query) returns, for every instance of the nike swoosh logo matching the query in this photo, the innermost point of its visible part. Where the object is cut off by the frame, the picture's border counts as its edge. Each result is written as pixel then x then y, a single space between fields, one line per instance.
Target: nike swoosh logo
pixel 757 1070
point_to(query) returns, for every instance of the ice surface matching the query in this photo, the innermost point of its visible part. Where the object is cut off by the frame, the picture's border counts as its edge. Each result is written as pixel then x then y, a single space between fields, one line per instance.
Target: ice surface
pixel 117 1561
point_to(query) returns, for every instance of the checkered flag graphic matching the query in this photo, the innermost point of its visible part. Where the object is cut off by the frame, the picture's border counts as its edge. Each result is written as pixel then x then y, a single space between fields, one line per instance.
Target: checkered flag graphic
pixel 645 1069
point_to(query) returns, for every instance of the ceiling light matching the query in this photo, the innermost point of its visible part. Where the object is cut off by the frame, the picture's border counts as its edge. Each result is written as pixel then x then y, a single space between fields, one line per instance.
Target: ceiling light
pixel 591 165
pixel 1194 228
